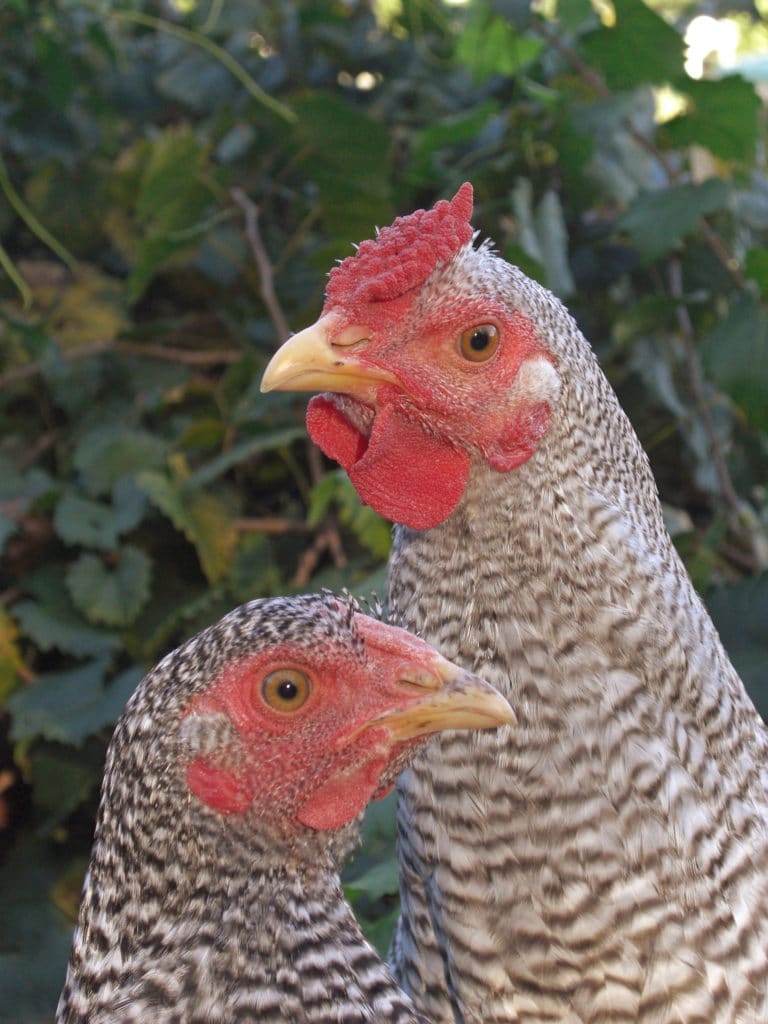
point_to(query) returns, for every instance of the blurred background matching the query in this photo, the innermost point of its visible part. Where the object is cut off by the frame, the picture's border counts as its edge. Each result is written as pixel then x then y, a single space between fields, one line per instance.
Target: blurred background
pixel 175 182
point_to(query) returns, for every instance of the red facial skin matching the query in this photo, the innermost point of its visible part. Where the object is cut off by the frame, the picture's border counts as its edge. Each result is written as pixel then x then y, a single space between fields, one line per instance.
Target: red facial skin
pixel 300 766
pixel 414 465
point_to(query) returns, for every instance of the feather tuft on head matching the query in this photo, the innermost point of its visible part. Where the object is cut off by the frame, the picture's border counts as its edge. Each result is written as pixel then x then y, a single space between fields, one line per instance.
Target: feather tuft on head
pixel 402 256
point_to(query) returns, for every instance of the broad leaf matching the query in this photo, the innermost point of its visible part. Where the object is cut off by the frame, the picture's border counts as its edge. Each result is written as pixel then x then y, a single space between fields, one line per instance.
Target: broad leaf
pixel 36 936
pixel 242 452
pixel 63 631
pixel 735 355
pixel 738 610
pixel 12 667
pixel 489 45
pixel 722 117
pixel 201 517
pixel 106 455
pixel 756 267
pixel 68 706
pixel 62 779
pixel 113 591
pixel 639 49
pixel 432 145
pixel 346 154
pixel 657 221
pixel 82 521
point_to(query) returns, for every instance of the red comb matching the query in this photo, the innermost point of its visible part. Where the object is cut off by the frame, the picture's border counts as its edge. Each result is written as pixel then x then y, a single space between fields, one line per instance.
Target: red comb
pixel 403 255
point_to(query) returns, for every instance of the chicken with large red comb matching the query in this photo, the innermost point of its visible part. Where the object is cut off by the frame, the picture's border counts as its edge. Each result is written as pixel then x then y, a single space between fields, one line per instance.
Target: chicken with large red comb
pixel 608 860
pixel 234 785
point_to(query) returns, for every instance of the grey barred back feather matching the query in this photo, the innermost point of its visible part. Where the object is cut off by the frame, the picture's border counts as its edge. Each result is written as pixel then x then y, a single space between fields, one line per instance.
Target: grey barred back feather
pixel 607 860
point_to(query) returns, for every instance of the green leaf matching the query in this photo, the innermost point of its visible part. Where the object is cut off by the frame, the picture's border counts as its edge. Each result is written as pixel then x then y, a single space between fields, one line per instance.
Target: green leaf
pixel 94 524
pixel 640 49
pixel 202 518
pixel 8 526
pixel 368 526
pixel 36 936
pixel 379 930
pixel 112 592
pixel 735 355
pixel 723 117
pixel 490 45
pixel 82 521
pixel 574 14
pixel 543 235
pixel 168 177
pixel 60 628
pixel 347 155
pixel 254 572
pixel 61 780
pixel 69 706
pixel 12 667
pixel 381 879
pixel 15 486
pixel 172 198
pixel 739 612
pixel 450 131
pixel 756 267
pixel 106 455
pixel 243 452
pixel 657 221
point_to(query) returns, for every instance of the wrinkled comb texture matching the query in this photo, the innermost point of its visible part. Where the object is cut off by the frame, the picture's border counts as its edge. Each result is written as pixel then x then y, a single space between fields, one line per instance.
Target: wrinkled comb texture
pixel 402 256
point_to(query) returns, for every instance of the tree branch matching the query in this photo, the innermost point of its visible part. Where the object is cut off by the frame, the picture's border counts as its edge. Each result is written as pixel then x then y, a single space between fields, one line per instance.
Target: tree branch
pixel 271 524
pixel 263 264
pixel 165 353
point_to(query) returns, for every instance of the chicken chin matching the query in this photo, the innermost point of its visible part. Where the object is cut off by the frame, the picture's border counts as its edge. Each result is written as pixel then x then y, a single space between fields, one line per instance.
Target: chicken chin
pixel 405 473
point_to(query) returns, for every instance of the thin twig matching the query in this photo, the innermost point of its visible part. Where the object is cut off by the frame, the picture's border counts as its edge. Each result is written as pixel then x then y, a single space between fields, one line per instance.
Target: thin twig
pixel 171 354
pixel 263 264
pixel 216 51
pixel 327 539
pixel 328 536
pixel 271 524
pixel 165 353
pixel 596 82
pixel 38 449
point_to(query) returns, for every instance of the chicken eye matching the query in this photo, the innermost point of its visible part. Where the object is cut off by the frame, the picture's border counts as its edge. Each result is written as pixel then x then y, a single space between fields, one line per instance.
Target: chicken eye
pixel 479 343
pixel 285 690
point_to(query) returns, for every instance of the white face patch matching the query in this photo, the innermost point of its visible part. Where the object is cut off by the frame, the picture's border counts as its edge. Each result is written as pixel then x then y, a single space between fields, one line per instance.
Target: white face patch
pixel 537 381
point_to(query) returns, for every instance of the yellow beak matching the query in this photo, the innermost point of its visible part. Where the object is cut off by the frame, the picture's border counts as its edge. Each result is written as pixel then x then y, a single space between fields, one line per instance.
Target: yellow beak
pixel 322 358
pixel 448 697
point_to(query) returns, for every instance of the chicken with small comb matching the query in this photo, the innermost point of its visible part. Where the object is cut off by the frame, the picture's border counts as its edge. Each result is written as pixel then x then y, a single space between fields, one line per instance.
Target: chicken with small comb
pixel 234 786
pixel 608 859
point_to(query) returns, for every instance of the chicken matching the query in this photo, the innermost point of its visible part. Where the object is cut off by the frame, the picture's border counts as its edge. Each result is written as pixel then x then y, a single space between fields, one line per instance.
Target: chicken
pixel 608 859
pixel 234 784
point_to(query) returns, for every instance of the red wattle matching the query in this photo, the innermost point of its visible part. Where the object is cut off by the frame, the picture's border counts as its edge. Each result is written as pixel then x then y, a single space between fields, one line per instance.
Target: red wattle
pixel 333 433
pixel 342 797
pixel 406 474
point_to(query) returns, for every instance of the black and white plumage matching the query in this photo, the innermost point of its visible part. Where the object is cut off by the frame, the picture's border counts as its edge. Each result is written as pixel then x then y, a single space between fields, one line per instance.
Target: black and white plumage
pixel 607 861
pixel 233 787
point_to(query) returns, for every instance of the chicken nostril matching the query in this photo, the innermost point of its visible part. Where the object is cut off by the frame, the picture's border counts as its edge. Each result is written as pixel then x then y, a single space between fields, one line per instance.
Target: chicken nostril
pixel 350 337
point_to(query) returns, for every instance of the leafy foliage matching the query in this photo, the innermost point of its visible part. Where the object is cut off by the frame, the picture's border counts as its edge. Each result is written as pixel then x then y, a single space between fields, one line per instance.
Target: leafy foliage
pixel 172 193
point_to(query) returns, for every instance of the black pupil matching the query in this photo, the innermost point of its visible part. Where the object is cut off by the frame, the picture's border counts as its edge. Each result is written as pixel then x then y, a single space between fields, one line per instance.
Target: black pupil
pixel 287 690
pixel 479 341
